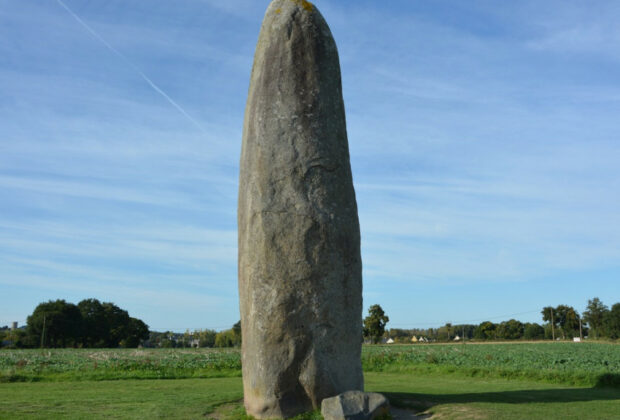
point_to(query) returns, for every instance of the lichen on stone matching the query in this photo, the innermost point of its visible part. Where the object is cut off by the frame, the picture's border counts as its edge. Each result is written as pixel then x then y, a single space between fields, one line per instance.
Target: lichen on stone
pixel 305 4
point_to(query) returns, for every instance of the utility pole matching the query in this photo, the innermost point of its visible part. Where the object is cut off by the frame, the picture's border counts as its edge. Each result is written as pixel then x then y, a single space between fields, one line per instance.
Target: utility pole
pixel 43 333
pixel 552 326
pixel 580 331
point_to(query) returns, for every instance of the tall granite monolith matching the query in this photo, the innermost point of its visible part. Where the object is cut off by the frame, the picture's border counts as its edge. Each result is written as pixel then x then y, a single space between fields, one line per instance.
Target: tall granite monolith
pixel 300 269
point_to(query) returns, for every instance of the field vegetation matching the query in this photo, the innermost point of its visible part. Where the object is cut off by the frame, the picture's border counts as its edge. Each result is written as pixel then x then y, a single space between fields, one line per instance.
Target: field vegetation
pixel 586 364
pixel 112 364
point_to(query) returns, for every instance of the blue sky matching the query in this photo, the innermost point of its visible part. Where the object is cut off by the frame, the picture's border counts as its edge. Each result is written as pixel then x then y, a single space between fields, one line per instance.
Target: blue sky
pixel 484 144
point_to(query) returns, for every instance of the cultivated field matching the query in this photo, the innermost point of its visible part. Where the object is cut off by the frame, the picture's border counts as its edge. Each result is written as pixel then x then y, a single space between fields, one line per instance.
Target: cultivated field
pixel 112 364
pixel 587 364
pixel 524 380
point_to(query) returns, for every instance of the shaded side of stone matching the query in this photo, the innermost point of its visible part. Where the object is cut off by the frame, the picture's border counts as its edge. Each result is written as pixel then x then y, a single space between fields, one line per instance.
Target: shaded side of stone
pixel 300 267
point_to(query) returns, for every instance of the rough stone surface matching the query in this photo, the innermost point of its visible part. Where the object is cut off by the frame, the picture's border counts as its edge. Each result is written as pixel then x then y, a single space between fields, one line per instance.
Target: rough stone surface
pixel 355 405
pixel 300 270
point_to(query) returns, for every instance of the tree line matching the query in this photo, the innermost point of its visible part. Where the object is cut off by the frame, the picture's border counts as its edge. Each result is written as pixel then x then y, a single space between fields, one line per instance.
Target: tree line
pixel 89 324
pixel 563 322
pixel 95 324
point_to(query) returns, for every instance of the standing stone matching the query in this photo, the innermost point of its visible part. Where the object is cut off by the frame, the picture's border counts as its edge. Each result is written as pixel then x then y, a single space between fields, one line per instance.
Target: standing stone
pixel 300 270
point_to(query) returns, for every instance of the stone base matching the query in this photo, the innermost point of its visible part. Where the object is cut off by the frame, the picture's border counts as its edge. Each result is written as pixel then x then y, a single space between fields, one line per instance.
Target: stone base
pixel 355 405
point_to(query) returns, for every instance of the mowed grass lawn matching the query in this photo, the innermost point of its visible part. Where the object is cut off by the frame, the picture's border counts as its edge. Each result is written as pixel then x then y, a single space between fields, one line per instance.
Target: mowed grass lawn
pixel 127 399
pixel 442 396
pixel 450 397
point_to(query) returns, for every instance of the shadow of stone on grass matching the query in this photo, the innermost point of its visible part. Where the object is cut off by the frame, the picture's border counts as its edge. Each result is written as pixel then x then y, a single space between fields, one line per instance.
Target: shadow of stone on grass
pixel 422 402
pixel 608 380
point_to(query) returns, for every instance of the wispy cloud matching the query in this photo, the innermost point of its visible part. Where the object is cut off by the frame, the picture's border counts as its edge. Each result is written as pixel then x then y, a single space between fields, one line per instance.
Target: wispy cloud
pixel 133 66
pixel 576 28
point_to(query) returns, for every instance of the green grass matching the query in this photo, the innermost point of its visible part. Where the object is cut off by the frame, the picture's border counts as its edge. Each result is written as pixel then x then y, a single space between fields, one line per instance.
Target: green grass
pixel 443 396
pixel 449 397
pixel 143 399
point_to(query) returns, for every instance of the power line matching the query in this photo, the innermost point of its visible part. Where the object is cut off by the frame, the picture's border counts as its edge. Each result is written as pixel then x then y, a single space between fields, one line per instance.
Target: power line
pixel 502 316
pixel 189 328
pixel 409 324
pixel 488 318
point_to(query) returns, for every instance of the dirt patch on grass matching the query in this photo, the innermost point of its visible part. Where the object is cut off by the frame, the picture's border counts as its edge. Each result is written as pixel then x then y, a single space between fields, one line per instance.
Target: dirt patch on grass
pixel 461 412
pixel 404 414
pixel 228 411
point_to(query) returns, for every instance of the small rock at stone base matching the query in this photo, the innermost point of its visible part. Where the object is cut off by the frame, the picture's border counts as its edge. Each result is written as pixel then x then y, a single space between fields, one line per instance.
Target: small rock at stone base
pixel 355 405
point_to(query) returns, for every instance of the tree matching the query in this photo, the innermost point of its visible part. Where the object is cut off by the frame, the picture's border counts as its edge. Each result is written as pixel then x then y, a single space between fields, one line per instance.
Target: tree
pixel 95 322
pixel 547 316
pixel 118 322
pixel 187 338
pixel 568 319
pixel 55 324
pixel 533 331
pixel 400 335
pixel 229 338
pixel 445 333
pixel 594 315
pixel 225 338
pixel 374 323
pixel 206 338
pixel 167 340
pixel 135 332
pixel 90 323
pixel 237 334
pixel 549 332
pixel 611 322
pixel 565 317
pixel 14 338
pixel 485 331
pixel 466 331
pixel 510 330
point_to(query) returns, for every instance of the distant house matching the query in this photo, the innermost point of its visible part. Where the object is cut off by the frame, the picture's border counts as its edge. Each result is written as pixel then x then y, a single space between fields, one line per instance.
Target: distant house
pixel 414 339
pixel 194 343
pixel 577 339
pixel 423 340
pixel 389 341
pixel 457 338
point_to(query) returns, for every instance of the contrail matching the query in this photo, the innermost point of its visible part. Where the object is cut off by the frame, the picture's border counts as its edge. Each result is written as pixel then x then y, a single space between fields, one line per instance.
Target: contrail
pixel 133 66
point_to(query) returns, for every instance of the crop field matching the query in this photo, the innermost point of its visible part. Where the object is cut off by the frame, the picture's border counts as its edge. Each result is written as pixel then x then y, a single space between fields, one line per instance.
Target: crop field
pixel 588 364
pixel 111 364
